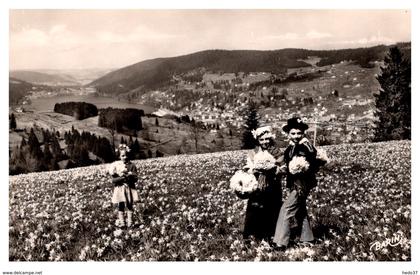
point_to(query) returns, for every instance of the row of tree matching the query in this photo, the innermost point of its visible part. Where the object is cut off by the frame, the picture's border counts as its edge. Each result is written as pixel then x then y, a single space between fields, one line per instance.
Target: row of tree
pixel 44 153
pixel 33 156
pixel 79 110
pixel 41 151
pixel 121 120
pixel 86 148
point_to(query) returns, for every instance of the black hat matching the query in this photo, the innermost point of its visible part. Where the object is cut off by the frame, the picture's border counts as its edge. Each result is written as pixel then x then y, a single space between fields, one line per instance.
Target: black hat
pixel 295 123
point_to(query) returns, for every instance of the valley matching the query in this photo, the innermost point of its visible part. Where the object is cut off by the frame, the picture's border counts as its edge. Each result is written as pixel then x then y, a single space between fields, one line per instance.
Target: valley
pixel 335 99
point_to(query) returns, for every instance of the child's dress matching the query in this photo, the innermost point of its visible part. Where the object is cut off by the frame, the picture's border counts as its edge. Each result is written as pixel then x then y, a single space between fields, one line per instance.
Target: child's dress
pixel 124 177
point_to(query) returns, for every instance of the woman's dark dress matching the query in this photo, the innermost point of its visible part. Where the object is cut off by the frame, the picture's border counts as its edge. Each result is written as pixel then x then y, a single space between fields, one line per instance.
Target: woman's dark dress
pixel 264 206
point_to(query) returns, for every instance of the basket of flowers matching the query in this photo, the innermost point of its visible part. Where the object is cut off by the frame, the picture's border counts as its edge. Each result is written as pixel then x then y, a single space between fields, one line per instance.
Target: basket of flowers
pixel 243 184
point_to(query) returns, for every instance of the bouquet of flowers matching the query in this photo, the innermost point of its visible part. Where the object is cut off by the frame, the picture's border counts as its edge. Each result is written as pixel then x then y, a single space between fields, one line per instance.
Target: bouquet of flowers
pixel 298 165
pixel 263 160
pixel 322 156
pixel 243 182
pixel 117 167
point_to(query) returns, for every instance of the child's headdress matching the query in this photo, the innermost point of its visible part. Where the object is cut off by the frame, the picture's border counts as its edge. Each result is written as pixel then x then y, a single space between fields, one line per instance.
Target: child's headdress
pixel 295 123
pixel 122 147
pixel 263 132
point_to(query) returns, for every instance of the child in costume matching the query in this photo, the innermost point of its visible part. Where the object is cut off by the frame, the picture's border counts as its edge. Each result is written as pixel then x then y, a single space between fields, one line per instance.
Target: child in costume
pixel 124 178
pixel 302 164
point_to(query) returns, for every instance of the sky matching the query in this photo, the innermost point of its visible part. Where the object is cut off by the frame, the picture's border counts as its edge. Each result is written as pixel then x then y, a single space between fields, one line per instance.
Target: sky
pixel 80 39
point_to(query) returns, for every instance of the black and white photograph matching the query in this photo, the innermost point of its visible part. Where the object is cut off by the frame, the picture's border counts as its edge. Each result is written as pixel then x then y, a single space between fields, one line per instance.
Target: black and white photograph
pixel 209 135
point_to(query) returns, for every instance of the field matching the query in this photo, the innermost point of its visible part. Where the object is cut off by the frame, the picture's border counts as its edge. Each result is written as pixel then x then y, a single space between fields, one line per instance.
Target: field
pixel 188 213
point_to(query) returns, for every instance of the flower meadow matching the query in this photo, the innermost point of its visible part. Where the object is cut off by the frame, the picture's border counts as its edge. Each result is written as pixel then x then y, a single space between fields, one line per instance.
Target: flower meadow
pixel 360 211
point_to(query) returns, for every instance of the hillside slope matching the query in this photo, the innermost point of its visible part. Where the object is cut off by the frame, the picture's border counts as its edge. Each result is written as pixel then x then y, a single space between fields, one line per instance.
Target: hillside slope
pixel 18 89
pixel 187 211
pixel 44 78
pixel 156 73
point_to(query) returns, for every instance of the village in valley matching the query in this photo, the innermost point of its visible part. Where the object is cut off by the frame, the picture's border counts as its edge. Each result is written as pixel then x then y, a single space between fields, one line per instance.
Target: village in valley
pixel 339 100
pixel 201 108
pixel 336 101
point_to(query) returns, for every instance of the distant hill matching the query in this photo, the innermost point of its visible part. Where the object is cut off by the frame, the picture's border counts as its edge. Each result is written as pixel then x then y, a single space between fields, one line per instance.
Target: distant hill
pixel 19 89
pixel 157 73
pixel 36 77
pixel 82 76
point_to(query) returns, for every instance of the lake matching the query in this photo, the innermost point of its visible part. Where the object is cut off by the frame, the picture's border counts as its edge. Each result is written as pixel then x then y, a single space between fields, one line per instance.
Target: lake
pixel 46 104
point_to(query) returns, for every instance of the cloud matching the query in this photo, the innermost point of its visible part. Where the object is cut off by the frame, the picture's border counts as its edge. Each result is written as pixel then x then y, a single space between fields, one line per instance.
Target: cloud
pixel 110 37
pixel 57 37
pixel 294 36
pixel 374 39
pixel 286 36
pixel 58 29
pixel 26 37
pixel 139 34
pixel 317 35
pixel 58 46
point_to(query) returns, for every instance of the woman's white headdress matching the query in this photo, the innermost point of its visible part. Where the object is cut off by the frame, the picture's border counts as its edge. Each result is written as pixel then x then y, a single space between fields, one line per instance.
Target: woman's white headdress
pixel 264 132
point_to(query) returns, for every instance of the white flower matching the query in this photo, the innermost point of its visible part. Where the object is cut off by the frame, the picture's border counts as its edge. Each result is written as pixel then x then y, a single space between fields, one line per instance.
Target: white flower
pixel 118 232
pixel 117 167
pixel 310 252
pixel 321 154
pixel 243 182
pixel 298 165
pixel 263 160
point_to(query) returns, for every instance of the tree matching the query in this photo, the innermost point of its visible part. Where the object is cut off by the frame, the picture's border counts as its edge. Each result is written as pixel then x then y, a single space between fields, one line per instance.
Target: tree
pixel 159 154
pixel 182 146
pixel 112 132
pixel 251 123
pixel 157 122
pixel 81 156
pixel 17 161
pixel 12 122
pixel 130 141
pixel 195 134
pixel 55 148
pixel 104 150
pixel 135 152
pixel 23 142
pixel 393 101
pixel 122 140
pixel 34 145
pixel 48 160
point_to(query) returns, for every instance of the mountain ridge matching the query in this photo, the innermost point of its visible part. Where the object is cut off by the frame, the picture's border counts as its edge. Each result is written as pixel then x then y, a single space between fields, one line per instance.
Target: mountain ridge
pixel 36 77
pixel 159 72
